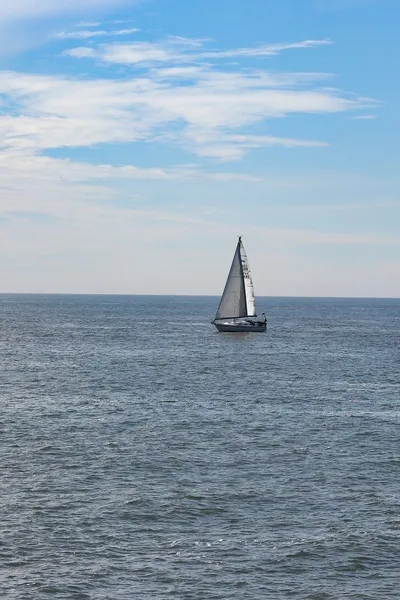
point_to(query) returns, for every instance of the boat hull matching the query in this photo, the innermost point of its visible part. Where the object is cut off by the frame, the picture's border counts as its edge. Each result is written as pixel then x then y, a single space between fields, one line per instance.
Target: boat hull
pixel 240 328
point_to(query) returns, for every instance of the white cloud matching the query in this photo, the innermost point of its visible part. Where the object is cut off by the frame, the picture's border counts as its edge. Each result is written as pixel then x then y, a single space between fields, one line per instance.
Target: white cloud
pixel 183 50
pixel 88 33
pixel 235 146
pixel 238 78
pixel 364 117
pixel 207 115
pixel 217 101
pixel 80 52
pixel 65 189
pixel 265 49
pixel 88 24
pixel 139 52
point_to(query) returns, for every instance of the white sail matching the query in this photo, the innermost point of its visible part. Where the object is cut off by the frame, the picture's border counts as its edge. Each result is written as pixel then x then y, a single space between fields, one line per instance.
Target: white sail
pixel 248 283
pixel 233 301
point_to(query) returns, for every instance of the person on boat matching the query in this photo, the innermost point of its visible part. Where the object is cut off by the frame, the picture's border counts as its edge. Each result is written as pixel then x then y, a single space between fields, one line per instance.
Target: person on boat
pixel 262 321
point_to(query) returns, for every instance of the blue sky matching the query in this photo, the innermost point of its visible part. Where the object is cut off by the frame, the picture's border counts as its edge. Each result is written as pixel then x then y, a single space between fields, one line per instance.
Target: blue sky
pixel 139 138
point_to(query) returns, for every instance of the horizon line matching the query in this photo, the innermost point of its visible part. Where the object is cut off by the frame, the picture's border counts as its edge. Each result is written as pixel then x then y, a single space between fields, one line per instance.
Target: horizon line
pixel 192 295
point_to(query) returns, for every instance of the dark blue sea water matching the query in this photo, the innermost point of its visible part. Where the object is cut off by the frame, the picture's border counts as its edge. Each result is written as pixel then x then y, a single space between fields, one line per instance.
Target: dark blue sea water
pixel 144 455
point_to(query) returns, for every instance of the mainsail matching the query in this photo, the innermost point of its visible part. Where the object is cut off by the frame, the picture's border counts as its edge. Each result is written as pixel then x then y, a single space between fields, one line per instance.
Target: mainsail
pixel 238 296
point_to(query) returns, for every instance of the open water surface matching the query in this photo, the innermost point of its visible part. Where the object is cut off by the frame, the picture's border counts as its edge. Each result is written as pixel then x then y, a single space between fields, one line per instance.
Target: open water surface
pixel 144 455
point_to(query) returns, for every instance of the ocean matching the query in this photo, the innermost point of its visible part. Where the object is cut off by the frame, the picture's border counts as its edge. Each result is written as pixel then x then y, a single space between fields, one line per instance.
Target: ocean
pixel 146 456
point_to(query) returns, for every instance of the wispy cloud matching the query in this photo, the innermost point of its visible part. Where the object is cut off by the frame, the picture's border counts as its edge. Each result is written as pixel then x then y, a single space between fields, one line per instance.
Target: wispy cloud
pixel 88 33
pixel 207 114
pixel 184 50
pixel 364 117
pixel 81 197
pixel 209 101
pixel 82 52
pixel 234 146
pixel 265 50
pixel 88 24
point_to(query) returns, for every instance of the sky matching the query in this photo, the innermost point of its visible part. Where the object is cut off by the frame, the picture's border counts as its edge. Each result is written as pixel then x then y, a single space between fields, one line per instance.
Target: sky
pixel 139 138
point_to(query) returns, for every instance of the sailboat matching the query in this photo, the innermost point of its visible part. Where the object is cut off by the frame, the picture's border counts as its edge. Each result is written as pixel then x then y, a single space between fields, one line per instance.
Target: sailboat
pixel 237 308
